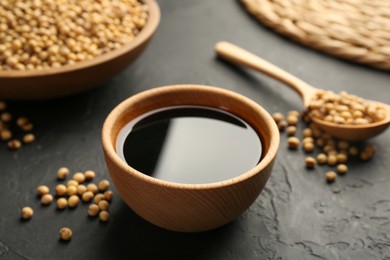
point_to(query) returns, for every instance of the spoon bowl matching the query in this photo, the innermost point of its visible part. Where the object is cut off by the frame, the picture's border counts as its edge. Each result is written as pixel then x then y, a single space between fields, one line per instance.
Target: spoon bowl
pixel 237 55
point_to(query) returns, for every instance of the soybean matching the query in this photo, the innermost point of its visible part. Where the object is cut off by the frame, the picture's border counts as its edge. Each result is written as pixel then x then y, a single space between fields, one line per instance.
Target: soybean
pixel 278 117
pixel 62 203
pixel 65 233
pixel 308 147
pixel 73 201
pixel 108 195
pixel 27 213
pixel 330 176
pixel 79 177
pixel 71 190
pixel 322 158
pixel 310 162
pixel 28 138
pixel 42 190
pixel 103 185
pixel 81 189
pixel 89 175
pixel 293 143
pixel 103 205
pixel 87 196
pixel 61 190
pixel 93 210
pixel 98 197
pixel 92 187
pixel 14 144
pixel 291 130
pixel 104 216
pixel 47 199
pixel 342 169
pixel 62 173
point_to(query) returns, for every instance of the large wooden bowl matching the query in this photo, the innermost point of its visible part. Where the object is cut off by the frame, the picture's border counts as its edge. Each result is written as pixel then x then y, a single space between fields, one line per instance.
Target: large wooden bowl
pixel 70 79
pixel 189 207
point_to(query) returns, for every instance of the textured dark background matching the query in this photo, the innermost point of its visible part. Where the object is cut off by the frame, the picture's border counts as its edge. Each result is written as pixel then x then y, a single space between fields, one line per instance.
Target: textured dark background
pixel 297 216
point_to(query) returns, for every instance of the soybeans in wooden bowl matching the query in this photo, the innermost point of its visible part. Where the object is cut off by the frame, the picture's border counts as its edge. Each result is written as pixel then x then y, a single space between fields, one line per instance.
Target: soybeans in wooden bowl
pixel 56 48
pixel 180 205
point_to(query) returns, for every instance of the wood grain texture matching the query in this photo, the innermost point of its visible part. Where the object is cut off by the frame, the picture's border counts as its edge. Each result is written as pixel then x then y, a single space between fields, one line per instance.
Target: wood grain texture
pixel 240 56
pixel 189 207
pixel 81 76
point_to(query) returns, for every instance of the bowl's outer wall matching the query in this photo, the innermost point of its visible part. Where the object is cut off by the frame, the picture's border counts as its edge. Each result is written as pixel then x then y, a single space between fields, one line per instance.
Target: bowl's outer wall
pixel 72 79
pixel 66 83
pixel 189 208
pixel 170 208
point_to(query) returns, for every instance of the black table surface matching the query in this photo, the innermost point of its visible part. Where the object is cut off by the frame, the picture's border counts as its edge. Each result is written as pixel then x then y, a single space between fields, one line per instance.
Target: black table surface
pixel 297 216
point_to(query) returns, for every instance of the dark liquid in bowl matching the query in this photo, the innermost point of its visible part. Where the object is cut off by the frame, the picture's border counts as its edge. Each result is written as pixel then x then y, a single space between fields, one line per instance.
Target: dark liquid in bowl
pixel 189 144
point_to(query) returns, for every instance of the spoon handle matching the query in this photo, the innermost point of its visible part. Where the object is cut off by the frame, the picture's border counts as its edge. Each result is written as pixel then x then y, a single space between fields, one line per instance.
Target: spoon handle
pixel 237 55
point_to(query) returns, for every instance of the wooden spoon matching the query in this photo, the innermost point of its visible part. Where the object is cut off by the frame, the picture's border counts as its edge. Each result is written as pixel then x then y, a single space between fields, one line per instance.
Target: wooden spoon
pixel 237 55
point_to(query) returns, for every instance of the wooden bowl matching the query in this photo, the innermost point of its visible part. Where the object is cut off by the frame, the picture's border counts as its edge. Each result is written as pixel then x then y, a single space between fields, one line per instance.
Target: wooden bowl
pixel 189 207
pixel 71 79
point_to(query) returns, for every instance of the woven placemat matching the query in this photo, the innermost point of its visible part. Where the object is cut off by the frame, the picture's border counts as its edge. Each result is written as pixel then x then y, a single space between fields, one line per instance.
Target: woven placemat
pixel 356 30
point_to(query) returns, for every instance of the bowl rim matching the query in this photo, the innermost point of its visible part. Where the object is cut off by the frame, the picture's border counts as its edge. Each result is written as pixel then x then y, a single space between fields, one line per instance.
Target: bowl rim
pixel 146 33
pixel 113 116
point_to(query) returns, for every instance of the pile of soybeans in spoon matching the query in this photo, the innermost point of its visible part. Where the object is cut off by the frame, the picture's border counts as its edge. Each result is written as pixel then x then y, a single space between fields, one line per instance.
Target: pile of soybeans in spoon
pixel 344 108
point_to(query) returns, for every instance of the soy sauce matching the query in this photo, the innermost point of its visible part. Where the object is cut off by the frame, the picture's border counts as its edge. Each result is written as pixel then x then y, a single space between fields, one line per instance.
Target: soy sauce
pixel 189 144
